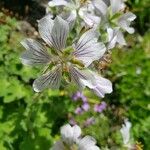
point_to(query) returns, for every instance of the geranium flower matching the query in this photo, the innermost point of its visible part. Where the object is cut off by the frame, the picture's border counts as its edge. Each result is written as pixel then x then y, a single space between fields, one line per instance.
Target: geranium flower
pixel 59 59
pixel 70 139
pixel 73 9
pixel 125 132
pixel 70 134
pixel 114 20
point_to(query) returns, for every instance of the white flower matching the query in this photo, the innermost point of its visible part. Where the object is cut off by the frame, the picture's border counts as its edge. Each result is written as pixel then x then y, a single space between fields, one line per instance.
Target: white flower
pixel 59 58
pixel 125 132
pixel 70 138
pixel 83 78
pixel 115 36
pixel 87 143
pixel 73 9
pixel 125 21
pixel 103 6
pixel 114 20
pixel 70 134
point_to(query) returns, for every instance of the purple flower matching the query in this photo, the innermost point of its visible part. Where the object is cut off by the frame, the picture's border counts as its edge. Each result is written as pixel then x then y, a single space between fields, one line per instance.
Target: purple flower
pixel 103 105
pixel 78 110
pixel 100 107
pixel 85 106
pixel 89 121
pixel 96 107
pixel 78 95
pixel 83 98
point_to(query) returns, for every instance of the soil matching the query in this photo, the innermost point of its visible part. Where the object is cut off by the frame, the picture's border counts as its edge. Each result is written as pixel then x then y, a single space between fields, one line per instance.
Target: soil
pixel 28 10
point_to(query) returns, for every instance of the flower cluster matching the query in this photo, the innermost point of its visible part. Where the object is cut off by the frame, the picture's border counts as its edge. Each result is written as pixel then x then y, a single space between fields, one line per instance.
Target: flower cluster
pixel 71 140
pixel 73 61
pixel 84 106
pixel 105 15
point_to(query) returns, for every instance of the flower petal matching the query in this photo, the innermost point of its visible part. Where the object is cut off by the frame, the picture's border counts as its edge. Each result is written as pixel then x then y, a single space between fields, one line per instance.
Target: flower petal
pixel 125 131
pixel 125 21
pixel 67 134
pixel 54 32
pixel 112 38
pixel 115 36
pixel 120 38
pixel 102 86
pixel 45 26
pixel 54 3
pixel 77 75
pixel 50 79
pixel 70 17
pixel 101 6
pixel 59 33
pixel 92 21
pixel 83 78
pixel 117 6
pixel 76 132
pixel 87 49
pixel 36 53
pixel 87 13
pixel 87 143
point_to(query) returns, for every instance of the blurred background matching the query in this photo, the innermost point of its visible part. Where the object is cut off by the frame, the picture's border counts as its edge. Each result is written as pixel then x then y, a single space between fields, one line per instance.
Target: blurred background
pixel 31 123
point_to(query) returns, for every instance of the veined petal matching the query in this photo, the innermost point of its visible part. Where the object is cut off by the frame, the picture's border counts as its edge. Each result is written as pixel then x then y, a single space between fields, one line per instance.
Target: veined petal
pixel 91 20
pixel 87 49
pixel 102 86
pixel 87 140
pixel 36 53
pixel 54 32
pixel 84 78
pixel 45 26
pixel 87 143
pixel 54 3
pixel 101 6
pixel 125 21
pixel 115 36
pixel 77 75
pixel 116 6
pixel 50 79
pixel 59 33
